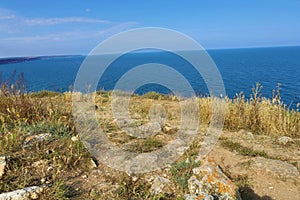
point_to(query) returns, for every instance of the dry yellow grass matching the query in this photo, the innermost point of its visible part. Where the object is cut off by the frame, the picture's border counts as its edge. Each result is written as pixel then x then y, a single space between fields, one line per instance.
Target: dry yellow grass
pixel 45 111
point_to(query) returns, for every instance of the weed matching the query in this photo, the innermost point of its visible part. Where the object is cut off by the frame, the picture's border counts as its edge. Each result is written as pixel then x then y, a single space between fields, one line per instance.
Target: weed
pixel 56 129
pixel 158 96
pixel 182 171
pixel 11 142
pixel 129 189
pixel 153 95
pixel 260 115
pixel 44 93
pixel 245 151
pixel 57 191
pixel 147 145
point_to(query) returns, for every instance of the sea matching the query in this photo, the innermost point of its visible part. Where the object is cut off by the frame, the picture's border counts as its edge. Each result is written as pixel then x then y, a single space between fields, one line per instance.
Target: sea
pixel 240 70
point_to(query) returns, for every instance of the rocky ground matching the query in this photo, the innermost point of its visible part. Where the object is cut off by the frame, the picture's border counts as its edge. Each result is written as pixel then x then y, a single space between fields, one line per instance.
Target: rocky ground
pixel 262 167
pixel 242 165
pixel 268 166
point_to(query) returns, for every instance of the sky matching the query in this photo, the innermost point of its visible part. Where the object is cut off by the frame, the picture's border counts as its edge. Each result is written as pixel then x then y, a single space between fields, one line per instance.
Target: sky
pixel 34 27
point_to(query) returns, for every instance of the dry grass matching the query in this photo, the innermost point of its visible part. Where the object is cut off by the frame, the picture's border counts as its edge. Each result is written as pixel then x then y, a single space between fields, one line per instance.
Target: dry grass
pixel 49 112
pixel 258 114
pixel 42 162
pixel 262 115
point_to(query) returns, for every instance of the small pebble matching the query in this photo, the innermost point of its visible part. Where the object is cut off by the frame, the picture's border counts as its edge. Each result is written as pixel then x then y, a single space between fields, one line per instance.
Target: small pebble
pixel 84 176
pixel 134 178
pixel 75 138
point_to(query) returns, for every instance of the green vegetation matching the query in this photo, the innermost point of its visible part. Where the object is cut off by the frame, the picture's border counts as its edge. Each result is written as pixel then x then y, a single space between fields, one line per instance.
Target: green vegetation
pixel 42 162
pixel 133 190
pixel 157 96
pixel 245 151
pixel 182 171
pixel 147 145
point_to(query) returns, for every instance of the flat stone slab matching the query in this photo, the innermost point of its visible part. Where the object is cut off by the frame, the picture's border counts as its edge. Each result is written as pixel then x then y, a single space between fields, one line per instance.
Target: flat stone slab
pixel 276 167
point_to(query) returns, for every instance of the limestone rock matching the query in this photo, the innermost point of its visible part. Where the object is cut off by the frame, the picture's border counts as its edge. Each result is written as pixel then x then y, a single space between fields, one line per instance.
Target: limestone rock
pixel 248 134
pixel 2 165
pixel 36 138
pixel 159 184
pixel 93 164
pixel 75 138
pixel 157 113
pixel 28 193
pixel 284 140
pixel 152 127
pixel 143 131
pixel 169 130
pixel 209 182
pixel 275 167
pixel 136 116
pixel 134 178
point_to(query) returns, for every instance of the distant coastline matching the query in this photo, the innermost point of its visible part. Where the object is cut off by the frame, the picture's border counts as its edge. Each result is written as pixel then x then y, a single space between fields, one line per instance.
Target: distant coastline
pixel 10 60
pixel 16 60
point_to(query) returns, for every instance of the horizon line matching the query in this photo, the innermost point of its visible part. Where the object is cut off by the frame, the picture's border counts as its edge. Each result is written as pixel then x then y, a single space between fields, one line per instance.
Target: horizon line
pixel 206 49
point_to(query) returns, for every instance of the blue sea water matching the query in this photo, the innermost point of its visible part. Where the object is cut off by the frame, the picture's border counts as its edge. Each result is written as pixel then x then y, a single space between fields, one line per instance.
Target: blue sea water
pixel 240 70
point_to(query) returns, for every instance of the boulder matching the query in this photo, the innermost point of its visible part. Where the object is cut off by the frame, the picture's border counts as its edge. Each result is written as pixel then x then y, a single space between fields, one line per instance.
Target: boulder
pixel 209 182
pixel 284 140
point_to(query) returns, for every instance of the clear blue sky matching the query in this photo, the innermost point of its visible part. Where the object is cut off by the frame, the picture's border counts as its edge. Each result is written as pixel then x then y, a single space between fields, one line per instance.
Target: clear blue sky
pixel 35 27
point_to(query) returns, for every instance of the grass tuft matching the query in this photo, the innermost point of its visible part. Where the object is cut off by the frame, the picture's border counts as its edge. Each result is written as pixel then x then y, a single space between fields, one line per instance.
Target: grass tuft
pixel 182 171
pixel 245 151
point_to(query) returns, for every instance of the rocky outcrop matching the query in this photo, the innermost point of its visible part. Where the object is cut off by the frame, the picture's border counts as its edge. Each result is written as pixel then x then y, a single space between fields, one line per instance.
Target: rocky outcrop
pixel 285 140
pixel 275 167
pixel 36 138
pixel 29 193
pixel 158 184
pixel 209 182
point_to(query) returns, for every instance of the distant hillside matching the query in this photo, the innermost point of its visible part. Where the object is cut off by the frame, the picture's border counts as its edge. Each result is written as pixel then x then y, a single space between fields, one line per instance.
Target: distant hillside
pixel 16 59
